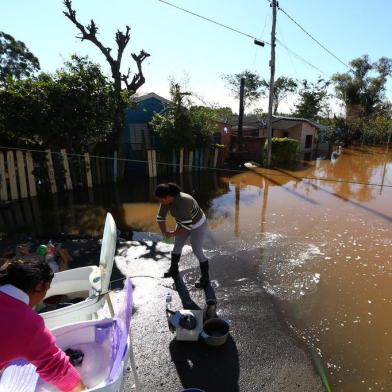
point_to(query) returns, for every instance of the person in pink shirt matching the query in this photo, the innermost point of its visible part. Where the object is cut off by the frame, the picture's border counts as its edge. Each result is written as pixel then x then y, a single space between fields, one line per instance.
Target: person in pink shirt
pixel 23 284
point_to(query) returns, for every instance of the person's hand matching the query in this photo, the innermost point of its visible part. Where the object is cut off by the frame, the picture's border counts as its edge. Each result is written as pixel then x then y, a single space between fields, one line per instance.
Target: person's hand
pixel 79 388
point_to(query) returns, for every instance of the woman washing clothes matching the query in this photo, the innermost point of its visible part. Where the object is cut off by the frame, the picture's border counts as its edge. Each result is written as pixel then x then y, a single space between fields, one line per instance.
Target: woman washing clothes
pixel 191 222
pixel 24 282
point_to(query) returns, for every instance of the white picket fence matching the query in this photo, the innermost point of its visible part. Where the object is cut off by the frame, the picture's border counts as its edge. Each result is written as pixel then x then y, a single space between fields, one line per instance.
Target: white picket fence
pixel 184 161
pixel 19 181
pixel 18 178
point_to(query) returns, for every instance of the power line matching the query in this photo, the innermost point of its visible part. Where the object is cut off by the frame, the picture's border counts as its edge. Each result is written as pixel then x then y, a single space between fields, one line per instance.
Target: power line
pixel 290 54
pixel 247 35
pixel 215 22
pixel 259 171
pixel 314 39
pixel 318 43
pixel 300 57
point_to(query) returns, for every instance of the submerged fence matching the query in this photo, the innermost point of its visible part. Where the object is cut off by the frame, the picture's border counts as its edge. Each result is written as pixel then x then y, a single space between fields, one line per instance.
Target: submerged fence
pixel 24 173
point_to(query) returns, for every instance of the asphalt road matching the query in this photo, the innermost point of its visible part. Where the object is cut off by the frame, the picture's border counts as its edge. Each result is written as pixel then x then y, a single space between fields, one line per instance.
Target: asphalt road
pixel 260 355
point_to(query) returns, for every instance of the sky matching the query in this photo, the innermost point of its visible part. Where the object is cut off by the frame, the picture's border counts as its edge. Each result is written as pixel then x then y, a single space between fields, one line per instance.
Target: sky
pixel 196 52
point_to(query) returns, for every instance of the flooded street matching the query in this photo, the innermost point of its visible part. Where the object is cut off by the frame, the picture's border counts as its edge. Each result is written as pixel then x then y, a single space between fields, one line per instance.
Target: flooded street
pixel 322 248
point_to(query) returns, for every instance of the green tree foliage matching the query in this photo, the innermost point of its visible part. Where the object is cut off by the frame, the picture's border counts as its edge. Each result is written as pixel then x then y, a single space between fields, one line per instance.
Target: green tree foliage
pixel 253 85
pixel 174 126
pixel 16 61
pixel 283 87
pixel 203 122
pixel 362 89
pixel 370 130
pixel 312 99
pixel 284 152
pixel 72 108
pixel 183 125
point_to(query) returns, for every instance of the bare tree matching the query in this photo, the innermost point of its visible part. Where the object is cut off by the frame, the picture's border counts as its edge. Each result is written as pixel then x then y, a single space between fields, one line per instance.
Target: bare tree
pixel 132 83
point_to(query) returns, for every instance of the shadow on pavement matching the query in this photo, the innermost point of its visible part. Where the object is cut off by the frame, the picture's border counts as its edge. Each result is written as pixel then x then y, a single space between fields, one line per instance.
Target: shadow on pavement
pixel 186 300
pixel 183 292
pixel 212 369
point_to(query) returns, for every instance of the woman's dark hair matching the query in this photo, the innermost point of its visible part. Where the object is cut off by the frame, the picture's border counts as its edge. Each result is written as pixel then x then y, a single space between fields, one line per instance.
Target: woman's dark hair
pixel 25 272
pixel 168 189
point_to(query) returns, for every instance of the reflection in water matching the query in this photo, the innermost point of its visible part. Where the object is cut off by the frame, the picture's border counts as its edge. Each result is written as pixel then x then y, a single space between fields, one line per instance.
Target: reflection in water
pixel 322 248
pixel 330 268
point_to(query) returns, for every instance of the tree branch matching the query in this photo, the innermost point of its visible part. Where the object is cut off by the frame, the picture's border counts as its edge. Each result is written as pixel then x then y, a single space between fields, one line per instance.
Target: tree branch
pixel 122 41
pixel 89 33
pixel 138 79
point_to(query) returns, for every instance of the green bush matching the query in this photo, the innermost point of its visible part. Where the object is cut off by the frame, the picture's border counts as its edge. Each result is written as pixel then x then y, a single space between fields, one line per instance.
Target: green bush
pixel 284 151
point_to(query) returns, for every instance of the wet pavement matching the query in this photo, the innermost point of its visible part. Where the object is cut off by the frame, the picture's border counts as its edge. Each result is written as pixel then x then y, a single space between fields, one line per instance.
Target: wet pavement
pixel 260 355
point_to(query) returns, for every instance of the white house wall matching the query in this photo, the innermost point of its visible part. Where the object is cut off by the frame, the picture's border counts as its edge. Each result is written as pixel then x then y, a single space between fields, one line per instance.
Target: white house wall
pixel 307 129
pixel 297 132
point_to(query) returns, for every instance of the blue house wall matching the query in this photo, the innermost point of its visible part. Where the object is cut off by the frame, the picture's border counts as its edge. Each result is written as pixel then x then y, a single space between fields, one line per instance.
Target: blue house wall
pixel 141 113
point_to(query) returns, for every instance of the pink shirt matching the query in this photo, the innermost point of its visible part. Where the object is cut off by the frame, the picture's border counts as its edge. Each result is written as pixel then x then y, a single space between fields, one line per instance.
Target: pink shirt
pixel 23 335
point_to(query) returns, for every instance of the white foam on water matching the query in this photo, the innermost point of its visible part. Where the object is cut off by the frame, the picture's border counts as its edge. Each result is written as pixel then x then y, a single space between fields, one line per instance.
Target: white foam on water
pixel 285 277
pixel 231 247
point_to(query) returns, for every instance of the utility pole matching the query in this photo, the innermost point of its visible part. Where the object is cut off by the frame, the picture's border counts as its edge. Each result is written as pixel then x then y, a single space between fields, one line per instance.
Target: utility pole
pixel 274 4
pixel 386 159
pixel 241 115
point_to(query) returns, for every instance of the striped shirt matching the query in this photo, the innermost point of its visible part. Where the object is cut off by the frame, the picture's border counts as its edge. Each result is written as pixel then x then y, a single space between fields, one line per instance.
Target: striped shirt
pixel 184 210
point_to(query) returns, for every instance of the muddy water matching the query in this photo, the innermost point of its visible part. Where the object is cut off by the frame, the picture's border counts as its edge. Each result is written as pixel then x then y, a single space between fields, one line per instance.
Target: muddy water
pixel 330 265
pixel 323 248
pixel 324 252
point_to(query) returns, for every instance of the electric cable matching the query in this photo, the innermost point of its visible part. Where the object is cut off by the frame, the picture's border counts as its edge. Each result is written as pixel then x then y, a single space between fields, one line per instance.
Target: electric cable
pixel 312 37
pixel 300 57
pixel 290 54
pixel 214 22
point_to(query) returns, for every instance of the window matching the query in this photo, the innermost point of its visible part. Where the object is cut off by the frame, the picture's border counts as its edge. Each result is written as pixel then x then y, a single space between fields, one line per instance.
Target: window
pixel 138 136
pixel 308 141
pixel 285 134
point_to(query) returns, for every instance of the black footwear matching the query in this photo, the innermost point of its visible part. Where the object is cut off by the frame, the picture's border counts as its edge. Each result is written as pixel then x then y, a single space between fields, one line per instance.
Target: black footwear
pixel 205 277
pixel 172 272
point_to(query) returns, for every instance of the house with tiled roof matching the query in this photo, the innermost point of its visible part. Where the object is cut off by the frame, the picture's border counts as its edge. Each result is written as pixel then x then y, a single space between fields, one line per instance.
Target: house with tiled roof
pixel 255 134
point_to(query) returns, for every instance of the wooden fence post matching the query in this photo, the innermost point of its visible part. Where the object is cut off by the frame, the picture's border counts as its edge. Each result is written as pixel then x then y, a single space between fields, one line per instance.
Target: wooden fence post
pixel 181 160
pixel 149 160
pixel 216 152
pixel 174 162
pixel 21 174
pixel 190 161
pixel 115 166
pixel 52 179
pixel 67 173
pixel 197 159
pixel 88 170
pixel 12 175
pixel 154 163
pixel 30 174
pixel 3 181
pixel 207 156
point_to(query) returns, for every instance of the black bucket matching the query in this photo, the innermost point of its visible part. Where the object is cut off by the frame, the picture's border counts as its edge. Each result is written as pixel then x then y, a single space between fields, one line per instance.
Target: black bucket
pixel 215 332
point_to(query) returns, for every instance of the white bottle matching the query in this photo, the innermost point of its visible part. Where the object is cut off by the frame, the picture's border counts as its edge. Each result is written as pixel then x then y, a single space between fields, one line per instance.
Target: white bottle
pixel 168 300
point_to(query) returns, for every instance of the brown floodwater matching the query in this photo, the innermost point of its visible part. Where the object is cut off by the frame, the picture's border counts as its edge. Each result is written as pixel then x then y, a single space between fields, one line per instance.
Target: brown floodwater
pixel 322 248
pixel 324 251
pixel 330 263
